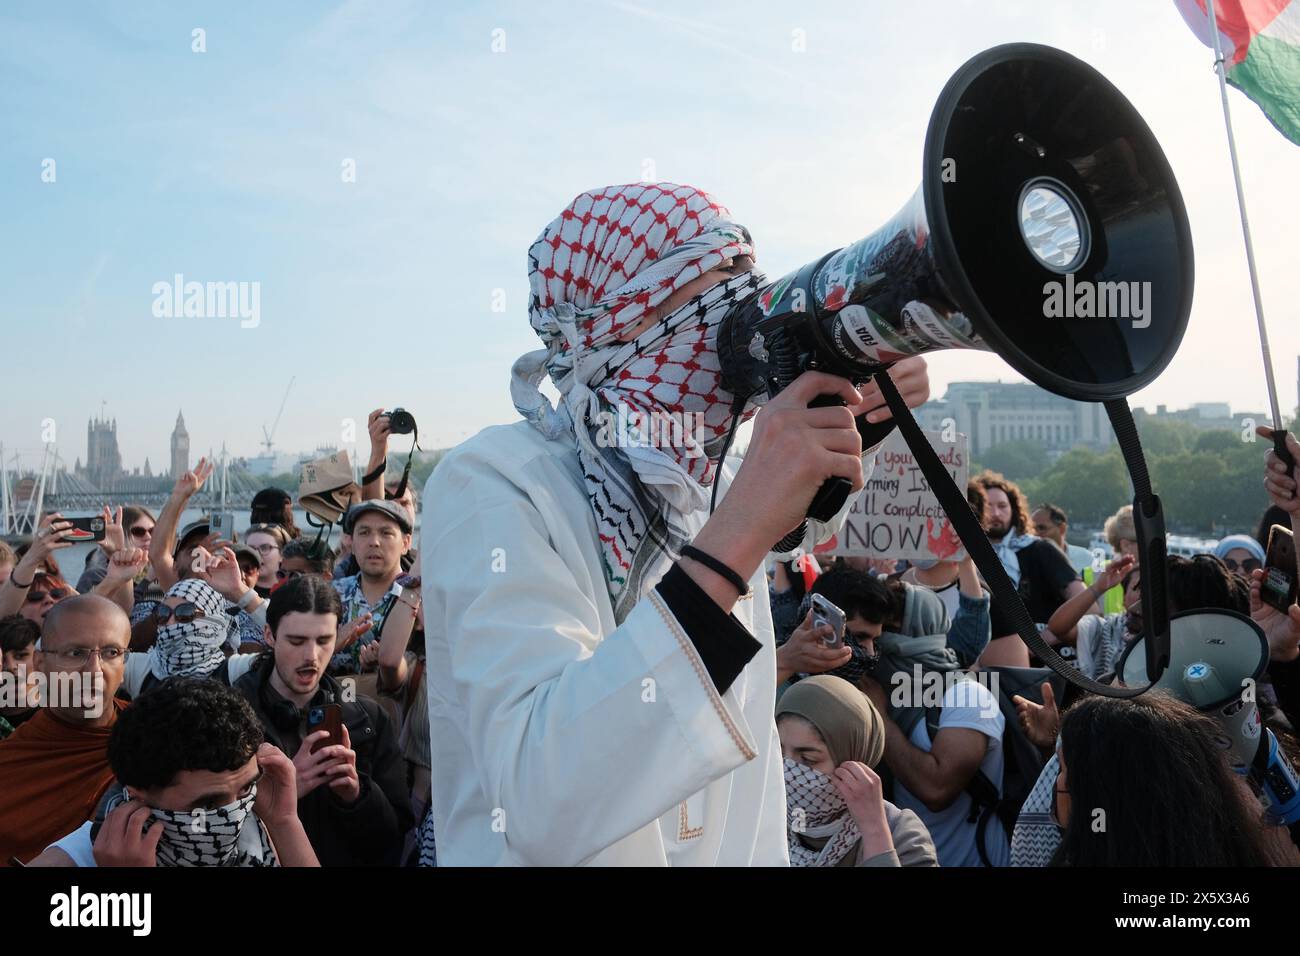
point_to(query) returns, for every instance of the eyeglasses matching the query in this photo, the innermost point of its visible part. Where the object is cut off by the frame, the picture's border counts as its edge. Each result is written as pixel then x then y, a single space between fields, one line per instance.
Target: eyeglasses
pixel 36 597
pixel 140 531
pixel 183 612
pixel 265 549
pixel 1250 564
pixel 80 655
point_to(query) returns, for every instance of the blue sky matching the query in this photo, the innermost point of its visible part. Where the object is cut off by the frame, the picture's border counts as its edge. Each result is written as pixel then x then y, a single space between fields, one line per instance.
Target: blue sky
pixel 226 166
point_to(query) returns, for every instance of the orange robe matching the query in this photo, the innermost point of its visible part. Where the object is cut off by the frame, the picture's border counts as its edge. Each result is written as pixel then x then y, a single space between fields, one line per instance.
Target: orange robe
pixel 52 776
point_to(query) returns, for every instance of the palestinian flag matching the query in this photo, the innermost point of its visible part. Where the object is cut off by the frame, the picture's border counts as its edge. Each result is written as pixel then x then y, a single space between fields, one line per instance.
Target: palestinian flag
pixel 1260 40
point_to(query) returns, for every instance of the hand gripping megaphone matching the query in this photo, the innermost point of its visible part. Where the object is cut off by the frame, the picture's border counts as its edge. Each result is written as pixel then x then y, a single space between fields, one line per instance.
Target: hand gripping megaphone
pixel 1049 229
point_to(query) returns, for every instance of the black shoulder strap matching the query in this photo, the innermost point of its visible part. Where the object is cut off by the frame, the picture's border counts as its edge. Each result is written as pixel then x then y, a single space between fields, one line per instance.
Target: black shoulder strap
pixel 981 551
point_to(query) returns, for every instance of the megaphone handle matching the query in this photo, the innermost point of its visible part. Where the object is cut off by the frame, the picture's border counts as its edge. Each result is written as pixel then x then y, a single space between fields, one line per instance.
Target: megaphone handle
pixel 830 498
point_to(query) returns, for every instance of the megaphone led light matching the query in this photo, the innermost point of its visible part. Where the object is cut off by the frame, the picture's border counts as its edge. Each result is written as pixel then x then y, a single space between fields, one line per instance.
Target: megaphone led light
pixel 1053 225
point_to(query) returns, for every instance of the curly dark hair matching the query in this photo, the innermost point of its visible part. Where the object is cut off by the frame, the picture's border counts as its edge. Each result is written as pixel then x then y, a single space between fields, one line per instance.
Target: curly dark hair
pixel 307 593
pixel 991 479
pixel 16 633
pixel 182 723
pixel 1152 764
pixel 1205 581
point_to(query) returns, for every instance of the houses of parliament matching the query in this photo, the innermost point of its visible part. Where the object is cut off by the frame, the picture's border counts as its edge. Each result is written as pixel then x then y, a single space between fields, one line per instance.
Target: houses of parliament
pixel 103 468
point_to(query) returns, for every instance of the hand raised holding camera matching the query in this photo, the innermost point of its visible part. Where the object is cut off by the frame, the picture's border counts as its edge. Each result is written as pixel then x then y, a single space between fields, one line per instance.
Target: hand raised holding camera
pixel 377 423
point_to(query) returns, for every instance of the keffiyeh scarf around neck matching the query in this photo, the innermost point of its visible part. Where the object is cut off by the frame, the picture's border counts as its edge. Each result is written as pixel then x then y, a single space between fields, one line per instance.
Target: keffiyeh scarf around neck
pixel 192 649
pixel 648 416
pixel 1006 550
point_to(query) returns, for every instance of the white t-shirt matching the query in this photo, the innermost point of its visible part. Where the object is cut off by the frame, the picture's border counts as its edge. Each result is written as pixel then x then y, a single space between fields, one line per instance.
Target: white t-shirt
pixel 78 846
pixel 949 594
pixel 1079 557
pixel 971 705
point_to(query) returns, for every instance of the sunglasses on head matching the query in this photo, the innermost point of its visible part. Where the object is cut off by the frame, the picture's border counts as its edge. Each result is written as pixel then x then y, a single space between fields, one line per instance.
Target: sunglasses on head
pixel 183 612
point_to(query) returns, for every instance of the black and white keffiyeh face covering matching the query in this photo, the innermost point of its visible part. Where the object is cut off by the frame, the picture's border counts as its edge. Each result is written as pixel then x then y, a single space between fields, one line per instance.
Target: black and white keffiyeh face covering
pixel 814 808
pixel 192 649
pixel 648 416
pixel 217 837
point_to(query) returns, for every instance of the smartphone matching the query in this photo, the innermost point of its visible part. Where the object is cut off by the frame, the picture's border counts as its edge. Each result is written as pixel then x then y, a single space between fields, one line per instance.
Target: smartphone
pixel 85 529
pixel 326 717
pixel 824 612
pixel 1278 588
pixel 222 524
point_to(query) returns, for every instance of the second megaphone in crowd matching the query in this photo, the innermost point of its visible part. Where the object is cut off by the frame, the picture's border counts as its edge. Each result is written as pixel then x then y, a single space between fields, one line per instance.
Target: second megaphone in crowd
pixel 1218 657
pixel 1036 171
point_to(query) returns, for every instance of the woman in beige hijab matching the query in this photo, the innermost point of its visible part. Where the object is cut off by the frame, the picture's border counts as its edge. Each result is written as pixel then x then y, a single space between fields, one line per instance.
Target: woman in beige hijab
pixel 831 737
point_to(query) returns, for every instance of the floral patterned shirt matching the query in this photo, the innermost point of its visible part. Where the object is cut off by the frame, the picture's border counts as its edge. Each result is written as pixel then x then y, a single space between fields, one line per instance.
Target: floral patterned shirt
pixel 354 606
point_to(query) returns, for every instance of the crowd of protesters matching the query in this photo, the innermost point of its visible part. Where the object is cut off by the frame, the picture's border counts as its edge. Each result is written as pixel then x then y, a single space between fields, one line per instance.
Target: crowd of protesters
pixel 633 690
pixel 204 672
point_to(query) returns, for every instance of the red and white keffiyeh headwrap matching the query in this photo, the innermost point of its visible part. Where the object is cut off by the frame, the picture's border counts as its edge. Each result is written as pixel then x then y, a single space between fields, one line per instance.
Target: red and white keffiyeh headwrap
pixel 611 258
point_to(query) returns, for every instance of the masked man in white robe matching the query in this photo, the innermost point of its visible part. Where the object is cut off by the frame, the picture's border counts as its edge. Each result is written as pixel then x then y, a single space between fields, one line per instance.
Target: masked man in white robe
pixel 596 695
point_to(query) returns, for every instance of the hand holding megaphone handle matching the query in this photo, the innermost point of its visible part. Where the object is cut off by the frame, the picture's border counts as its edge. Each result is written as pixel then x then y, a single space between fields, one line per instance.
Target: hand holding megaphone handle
pixel 1283 453
pixel 830 497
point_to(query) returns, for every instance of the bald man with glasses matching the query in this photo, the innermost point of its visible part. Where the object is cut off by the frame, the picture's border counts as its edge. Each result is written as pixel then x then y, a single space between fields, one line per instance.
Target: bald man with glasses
pixel 55 766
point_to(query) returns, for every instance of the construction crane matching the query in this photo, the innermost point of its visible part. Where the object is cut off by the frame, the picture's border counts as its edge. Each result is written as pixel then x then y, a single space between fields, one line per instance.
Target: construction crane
pixel 269 435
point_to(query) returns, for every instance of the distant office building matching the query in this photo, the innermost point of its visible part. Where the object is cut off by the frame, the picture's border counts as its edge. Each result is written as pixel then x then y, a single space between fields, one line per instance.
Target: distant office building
pixel 1208 416
pixel 180 448
pixel 994 413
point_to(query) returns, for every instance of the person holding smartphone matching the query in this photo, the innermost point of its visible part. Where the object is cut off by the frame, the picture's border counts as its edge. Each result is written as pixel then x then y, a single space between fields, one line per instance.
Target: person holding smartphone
pixel 351 788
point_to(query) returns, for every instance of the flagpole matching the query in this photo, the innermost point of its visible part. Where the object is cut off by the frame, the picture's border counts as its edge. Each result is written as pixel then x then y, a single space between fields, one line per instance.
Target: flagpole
pixel 1279 435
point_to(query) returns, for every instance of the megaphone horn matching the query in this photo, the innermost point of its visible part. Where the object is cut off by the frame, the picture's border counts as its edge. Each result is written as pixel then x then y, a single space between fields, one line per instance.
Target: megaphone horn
pixel 1048 227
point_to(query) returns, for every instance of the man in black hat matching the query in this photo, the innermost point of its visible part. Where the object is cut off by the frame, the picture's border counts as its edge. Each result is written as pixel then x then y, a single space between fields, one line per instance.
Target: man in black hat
pixel 381 534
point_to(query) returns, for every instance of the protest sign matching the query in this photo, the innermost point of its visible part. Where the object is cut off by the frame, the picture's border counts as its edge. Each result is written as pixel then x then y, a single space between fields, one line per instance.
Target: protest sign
pixel 897 515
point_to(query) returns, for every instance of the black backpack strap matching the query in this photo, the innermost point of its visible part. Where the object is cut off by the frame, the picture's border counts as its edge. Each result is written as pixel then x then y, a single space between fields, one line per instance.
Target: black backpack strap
pixel 981 550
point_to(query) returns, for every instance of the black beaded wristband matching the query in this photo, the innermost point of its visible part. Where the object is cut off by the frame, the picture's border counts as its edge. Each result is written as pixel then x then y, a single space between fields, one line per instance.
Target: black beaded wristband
pixel 713 564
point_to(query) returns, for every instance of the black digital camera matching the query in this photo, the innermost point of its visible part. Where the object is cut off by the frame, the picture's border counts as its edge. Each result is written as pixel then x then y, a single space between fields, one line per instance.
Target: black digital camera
pixel 400 421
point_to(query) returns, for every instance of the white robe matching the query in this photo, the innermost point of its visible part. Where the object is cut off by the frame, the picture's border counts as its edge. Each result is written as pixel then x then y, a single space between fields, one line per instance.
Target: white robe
pixel 559 739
